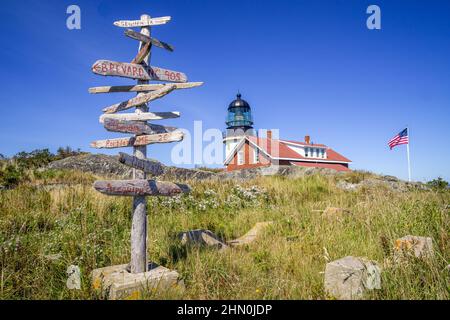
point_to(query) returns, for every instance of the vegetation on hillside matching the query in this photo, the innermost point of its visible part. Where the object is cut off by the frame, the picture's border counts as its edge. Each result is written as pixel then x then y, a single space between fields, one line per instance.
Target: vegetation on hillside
pixel 45 228
pixel 22 166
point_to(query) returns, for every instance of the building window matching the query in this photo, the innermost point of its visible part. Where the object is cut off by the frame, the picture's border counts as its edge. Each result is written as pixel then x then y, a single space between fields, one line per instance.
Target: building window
pixel 240 157
pixel 306 152
pixel 255 155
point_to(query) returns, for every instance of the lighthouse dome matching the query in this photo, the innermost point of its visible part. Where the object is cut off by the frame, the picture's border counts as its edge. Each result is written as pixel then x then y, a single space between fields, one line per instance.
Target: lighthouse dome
pixel 238 103
pixel 239 114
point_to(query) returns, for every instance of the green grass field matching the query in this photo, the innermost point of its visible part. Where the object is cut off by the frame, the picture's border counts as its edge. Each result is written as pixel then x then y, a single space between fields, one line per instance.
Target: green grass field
pixel 85 228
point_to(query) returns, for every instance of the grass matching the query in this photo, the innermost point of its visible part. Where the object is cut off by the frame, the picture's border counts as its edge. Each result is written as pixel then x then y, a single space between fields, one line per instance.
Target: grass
pixel 91 230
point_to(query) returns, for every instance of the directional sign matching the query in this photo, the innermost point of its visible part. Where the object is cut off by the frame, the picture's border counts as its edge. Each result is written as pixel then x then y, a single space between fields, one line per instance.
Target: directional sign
pixel 144 116
pixel 143 22
pixel 142 54
pixel 139 100
pixel 120 69
pixel 142 87
pixel 140 187
pixel 136 71
pixel 135 127
pixel 161 74
pixel 142 37
pixel 152 167
pixel 138 140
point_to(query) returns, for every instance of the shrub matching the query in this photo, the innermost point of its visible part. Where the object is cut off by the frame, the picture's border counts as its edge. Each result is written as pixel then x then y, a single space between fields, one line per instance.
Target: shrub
pixel 438 184
pixel 11 176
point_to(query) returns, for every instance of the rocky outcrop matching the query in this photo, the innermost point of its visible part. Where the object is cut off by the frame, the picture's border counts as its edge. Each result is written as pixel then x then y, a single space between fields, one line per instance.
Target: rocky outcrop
pixel 388 182
pixel 105 165
pixel 99 164
pixel 287 171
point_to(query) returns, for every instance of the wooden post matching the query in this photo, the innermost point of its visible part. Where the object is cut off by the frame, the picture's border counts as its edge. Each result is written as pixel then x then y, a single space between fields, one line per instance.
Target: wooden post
pixel 139 223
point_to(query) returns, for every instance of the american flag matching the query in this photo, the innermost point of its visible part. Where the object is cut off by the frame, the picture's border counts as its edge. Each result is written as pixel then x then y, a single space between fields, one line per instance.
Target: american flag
pixel 401 138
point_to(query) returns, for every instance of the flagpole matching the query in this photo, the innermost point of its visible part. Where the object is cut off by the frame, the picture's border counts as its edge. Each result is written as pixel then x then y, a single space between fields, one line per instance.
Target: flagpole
pixel 407 151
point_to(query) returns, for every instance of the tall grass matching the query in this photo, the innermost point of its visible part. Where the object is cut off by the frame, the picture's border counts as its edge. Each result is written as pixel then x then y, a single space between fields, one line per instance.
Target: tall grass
pixel 83 227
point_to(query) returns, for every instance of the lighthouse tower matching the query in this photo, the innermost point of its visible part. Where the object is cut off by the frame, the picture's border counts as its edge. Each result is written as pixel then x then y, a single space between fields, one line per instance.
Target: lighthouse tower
pixel 239 123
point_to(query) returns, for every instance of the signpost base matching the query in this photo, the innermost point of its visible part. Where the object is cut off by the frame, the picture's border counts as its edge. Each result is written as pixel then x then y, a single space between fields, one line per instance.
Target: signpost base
pixel 115 282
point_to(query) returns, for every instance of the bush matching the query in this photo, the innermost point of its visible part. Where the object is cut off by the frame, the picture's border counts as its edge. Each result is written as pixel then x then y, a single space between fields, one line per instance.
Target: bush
pixel 11 176
pixel 34 159
pixel 438 184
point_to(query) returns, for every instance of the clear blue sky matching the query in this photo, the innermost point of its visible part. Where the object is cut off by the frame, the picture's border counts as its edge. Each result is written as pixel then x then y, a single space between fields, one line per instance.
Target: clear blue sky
pixel 306 67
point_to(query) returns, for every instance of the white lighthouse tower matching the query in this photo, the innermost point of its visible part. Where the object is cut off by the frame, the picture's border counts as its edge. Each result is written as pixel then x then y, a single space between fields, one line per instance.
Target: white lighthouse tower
pixel 239 123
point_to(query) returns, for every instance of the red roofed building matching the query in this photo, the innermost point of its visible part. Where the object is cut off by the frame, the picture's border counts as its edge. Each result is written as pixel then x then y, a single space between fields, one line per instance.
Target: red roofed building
pixel 243 149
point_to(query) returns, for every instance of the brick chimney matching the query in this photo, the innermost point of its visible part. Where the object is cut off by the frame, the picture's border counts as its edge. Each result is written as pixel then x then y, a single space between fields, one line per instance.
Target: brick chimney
pixel 307 139
pixel 269 134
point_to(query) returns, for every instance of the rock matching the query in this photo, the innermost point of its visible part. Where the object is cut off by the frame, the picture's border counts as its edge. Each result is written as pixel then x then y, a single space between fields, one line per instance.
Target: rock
pixel 347 186
pixel 251 235
pixel 201 237
pixel 187 174
pixel 420 247
pixel 350 277
pixel 105 165
pixel 115 282
pixel 73 280
pixel 282 170
pixel 100 164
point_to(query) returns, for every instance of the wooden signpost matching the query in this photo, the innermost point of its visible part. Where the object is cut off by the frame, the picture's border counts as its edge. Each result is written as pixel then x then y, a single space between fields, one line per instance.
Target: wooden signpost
pixel 145 50
pixel 144 133
pixel 143 87
pixel 144 116
pixel 141 140
pixel 135 127
pixel 143 22
pixel 140 99
pixel 120 69
pixel 161 74
pixel 140 187
pixel 148 166
pixel 139 36
pixel 136 71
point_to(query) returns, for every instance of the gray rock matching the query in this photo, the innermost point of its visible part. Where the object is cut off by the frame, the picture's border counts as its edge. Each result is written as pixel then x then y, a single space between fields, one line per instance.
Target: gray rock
pixel 420 247
pixel 105 165
pixel 74 278
pixel 99 164
pixel 201 237
pixel 350 277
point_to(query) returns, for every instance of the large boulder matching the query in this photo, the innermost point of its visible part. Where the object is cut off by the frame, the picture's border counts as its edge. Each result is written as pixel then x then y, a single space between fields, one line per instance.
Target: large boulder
pixel 99 164
pixel 350 277
pixel 419 247
pixel 105 165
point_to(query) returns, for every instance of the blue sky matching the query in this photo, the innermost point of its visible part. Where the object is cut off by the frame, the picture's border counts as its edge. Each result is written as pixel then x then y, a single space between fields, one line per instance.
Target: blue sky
pixel 306 67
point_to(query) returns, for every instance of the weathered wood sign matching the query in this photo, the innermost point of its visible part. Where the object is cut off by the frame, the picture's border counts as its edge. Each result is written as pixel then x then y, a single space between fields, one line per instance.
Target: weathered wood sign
pixel 143 22
pixel 148 166
pixel 135 127
pixel 136 71
pixel 141 37
pixel 143 87
pixel 142 54
pixel 140 99
pixel 144 116
pixel 120 69
pixel 139 187
pixel 161 74
pixel 143 140
pixel 144 133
